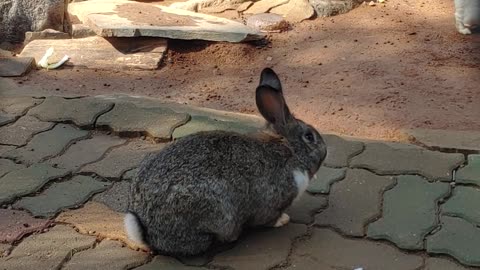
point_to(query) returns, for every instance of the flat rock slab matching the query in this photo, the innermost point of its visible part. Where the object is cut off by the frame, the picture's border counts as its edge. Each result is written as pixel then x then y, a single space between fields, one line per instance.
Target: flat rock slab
pixel 123 18
pixel 156 122
pixel 295 10
pixel 327 250
pixel 115 197
pixel 267 22
pixel 463 140
pixel 6 118
pixel 443 264
pixel 326 8
pixel 324 178
pixel 463 203
pixel 340 151
pixel 15 66
pixel 108 255
pixel 386 159
pixel 25 181
pixel 409 212
pixel 354 202
pixel 264 6
pixel 81 111
pixel 205 123
pixel 457 238
pixel 6 166
pixel 63 195
pixel 47 144
pixel 303 210
pixel 47 250
pixel 469 174
pixel 16 224
pixel 17 106
pixel 162 262
pixel 22 130
pixel 100 53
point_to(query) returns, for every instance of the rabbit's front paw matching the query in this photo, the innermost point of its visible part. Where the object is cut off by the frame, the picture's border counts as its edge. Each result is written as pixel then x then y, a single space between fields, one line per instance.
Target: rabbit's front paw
pixel 465 31
pixel 282 220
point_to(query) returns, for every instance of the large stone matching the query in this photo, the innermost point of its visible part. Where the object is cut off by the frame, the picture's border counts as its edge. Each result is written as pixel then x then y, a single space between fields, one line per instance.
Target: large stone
pixel 45 34
pixel 354 202
pixel 108 255
pixel 409 212
pixel 20 16
pixel 340 151
pixel 85 151
pixel 295 10
pixel 26 181
pixel 469 174
pixel 121 18
pixel 167 263
pixel 115 197
pixel 17 106
pixel 324 178
pixel 463 204
pixel 264 6
pixel 7 166
pixel 205 123
pixel 15 66
pixel 303 210
pixel 326 8
pixel 47 250
pixel 63 195
pixel 327 250
pixel 22 130
pixel 457 238
pixel 16 224
pixel 388 159
pixel 267 22
pixel 432 263
pixel 47 144
pixel 81 111
pixel 463 140
pixel 100 53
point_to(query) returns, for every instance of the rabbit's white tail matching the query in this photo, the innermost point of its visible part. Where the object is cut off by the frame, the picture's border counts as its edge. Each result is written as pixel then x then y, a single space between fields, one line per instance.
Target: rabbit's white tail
pixel 133 228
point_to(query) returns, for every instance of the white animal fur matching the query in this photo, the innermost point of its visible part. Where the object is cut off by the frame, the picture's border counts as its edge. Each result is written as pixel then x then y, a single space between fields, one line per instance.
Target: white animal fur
pixel 282 220
pixel 301 180
pixel 467 15
pixel 133 228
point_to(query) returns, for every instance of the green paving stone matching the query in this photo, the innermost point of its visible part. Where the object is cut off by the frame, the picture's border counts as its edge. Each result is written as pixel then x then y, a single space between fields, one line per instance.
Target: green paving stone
pixel 156 122
pixel 457 238
pixel 324 178
pixel 354 201
pixel 47 144
pixel 205 123
pixel 303 210
pixel 81 111
pixel 115 197
pixel 409 212
pixel 25 181
pixel 167 263
pixel 23 129
pixel 340 151
pixel 129 175
pixel 464 203
pixel 470 174
pixel 5 148
pixel 443 264
pixel 7 166
pixel 388 159
pixel 17 106
pixel 62 195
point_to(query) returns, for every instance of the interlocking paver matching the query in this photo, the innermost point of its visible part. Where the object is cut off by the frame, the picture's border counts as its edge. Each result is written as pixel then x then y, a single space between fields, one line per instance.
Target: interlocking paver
pixel 106 255
pixel 6 118
pixel 25 181
pixel 7 166
pixel 327 250
pixel 47 250
pixel 5 148
pixel 303 210
pixel 387 159
pixel 462 204
pixel 205 123
pixel 81 111
pixel 129 175
pixel 470 174
pixel 62 195
pixel 167 263
pixel 115 197
pixel 17 106
pixel 458 238
pixel 325 177
pixel 156 122
pixel 85 151
pixel 340 151
pixel 354 202
pixel 432 263
pixel 22 130
pixel 121 159
pixel 409 212
pixel 261 250
pixel 47 144
pixel 15 224
pixel 4 249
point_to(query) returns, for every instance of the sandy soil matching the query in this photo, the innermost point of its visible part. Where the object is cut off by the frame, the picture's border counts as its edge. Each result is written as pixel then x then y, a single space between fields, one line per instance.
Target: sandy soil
pixel 370 73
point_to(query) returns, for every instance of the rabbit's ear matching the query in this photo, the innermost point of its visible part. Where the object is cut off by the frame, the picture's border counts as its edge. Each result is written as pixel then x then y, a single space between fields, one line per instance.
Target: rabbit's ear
pixel 270 78
pixel 272 106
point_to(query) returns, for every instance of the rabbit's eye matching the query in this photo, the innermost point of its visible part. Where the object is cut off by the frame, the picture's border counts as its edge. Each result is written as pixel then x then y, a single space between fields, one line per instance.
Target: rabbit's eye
pixel 309 137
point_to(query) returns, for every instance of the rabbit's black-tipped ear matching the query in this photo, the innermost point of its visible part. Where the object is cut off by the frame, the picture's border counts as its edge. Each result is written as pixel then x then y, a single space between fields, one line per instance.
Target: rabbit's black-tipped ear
pixel 270 78
pixel 272 106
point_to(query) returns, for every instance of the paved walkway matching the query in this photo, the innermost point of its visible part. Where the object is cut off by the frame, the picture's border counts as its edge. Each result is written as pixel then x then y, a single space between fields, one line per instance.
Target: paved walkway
pixel 66 164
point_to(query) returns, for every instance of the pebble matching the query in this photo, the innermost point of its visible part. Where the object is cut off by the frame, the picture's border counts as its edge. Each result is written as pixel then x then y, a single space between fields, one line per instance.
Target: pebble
pixel 371 3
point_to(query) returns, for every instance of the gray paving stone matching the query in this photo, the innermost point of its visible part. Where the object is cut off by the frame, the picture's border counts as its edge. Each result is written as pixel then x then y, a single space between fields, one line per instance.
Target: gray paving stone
pixel 81 111
pixel 354 202
pixel 386 159
pixel 22 130
pixel 303 210
pixel 85 151
pixel 432 263
pixel 325 177
pixel 122 159
pixel 5 148
pixel 26 181
pixel 167 263
pixel 7 166
pixel 17 106
pixel 340 151
pixel 464 140
pixel 156 122
pixel 205 123
pixel 63 195
pixel 47 250
pixel 469 174
pixel 327 250
pixel 462 204
pixel 6 118
pixel 457 238
pixel 47 144
pixel 409 212
pixel 108 255
pixel 129 175
pixel 251 253
pixel 115 197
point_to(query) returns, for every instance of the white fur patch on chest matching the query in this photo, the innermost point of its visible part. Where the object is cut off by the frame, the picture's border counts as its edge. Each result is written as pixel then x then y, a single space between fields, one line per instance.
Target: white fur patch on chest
pixel 301 181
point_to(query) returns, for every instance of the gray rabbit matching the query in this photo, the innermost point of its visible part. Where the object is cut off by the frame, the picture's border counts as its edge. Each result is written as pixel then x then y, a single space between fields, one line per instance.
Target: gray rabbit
pixel 208 186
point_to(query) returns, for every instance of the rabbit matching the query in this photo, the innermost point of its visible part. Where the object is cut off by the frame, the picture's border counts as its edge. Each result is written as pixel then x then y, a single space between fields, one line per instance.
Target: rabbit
pixel 467 15
pixel 207 187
